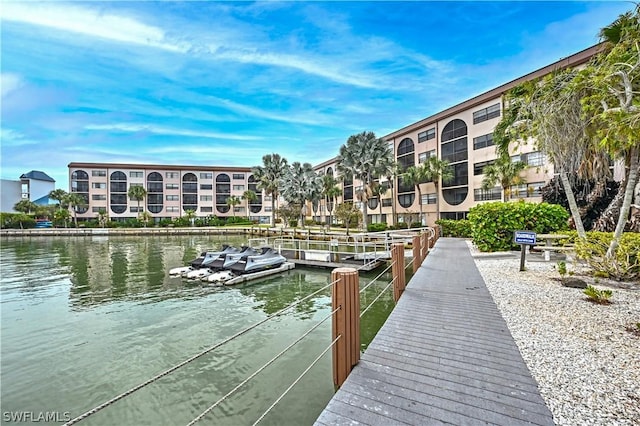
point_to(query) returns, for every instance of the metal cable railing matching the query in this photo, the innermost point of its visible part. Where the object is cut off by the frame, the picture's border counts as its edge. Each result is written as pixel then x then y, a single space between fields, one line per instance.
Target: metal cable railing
pixel 189 360
pixel 295 382
pixel 259 370
pixel 376 298
pixel 376 278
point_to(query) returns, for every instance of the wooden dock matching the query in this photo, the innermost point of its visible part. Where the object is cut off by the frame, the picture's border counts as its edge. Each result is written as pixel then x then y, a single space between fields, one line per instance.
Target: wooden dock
pixel 444 356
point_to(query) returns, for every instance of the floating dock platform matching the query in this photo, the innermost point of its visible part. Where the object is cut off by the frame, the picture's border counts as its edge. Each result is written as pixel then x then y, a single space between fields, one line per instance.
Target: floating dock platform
pixel 250 277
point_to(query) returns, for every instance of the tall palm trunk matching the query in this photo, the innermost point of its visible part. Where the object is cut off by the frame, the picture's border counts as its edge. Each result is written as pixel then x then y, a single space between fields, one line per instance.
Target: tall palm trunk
pixel 626 204
pixel 573 206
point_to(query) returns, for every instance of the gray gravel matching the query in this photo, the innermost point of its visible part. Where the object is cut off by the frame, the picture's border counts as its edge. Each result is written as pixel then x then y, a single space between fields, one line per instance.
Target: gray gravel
pixel 586 362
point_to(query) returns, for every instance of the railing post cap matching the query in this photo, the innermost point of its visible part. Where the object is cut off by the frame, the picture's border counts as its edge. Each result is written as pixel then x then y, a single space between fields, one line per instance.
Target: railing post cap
pixel 345 270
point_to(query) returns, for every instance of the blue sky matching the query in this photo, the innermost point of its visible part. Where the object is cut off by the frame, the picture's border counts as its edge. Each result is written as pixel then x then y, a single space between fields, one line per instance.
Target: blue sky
pixel 224 83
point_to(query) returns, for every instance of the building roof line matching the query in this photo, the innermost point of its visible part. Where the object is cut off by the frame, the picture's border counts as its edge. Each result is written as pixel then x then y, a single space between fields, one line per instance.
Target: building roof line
pixel 79 165
pixel 570 61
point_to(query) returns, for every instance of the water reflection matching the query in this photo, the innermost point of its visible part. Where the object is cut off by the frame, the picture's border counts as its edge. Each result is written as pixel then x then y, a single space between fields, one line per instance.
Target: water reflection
pixel 95 316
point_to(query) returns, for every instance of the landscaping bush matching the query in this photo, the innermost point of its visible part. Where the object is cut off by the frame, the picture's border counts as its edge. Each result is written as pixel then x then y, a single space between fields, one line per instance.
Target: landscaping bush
pixel 625 265
pixel 293 223
pixel 16 221
pixel 376 227
pixel 416 225
pixel 455 228
pixel 493 224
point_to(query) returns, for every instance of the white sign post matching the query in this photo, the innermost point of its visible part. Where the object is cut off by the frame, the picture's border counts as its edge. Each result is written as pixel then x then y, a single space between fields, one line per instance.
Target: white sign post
pixel 524 238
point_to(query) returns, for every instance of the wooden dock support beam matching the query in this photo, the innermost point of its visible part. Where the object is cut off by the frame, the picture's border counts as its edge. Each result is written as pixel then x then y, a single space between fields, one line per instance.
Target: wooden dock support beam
pixel 397 270
pixel 345 295
pixel 417 253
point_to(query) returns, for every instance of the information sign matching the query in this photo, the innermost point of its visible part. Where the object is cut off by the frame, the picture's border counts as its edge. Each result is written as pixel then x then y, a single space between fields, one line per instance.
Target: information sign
pixel 524 237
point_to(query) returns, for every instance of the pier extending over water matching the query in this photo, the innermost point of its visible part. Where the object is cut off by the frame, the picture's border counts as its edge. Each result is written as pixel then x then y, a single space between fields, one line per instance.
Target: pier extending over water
pixel 444 356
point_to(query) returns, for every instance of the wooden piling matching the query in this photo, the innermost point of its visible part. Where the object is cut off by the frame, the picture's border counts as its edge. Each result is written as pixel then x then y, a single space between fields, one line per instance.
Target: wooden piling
pixel 417 253
pixel 345 295
pixel 397 270
pixel 424 245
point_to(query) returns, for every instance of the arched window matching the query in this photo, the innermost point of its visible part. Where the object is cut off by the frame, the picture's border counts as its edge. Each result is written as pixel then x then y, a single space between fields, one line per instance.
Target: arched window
pixel 189 192
pixel 118 192
pixel 80 186
pixel 223 191
pixel 455 150
pixel 256 205
pixel 406 158
pixel 155 192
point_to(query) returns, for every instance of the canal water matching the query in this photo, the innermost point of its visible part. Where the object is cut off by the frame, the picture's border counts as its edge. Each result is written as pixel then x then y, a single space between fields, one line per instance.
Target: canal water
pixel 84 319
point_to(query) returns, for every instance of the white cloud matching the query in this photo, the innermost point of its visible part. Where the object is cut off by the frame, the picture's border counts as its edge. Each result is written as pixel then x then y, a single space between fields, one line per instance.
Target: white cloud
pixel 10 82
pixel 10 137
pixel 90 22
pixel 135 128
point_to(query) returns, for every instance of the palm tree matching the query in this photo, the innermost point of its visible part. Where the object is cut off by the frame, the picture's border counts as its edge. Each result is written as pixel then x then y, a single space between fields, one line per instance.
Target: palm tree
pixel 137 192
pixel 416 175
pixel 300 183
pixel 232 202
pixel 364 157
pixel 330 190
pixel 393 170
pixel 60 195
pixel 505 172
pixel 102 217
pixel 437 170
pixel 249 196
pixel 25 206
pixel 268 177
pixel 76 200
pixel 378 190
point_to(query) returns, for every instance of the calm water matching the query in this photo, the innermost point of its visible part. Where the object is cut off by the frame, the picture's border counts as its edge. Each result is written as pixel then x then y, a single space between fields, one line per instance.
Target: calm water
pixel 84 319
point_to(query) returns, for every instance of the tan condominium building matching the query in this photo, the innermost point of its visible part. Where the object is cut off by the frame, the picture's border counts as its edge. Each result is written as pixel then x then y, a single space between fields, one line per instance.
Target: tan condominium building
pixel 171 191
pixel 461 135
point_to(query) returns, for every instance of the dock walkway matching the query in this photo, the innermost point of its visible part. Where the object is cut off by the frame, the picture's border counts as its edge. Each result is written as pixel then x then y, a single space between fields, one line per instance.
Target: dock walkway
pixel 444 356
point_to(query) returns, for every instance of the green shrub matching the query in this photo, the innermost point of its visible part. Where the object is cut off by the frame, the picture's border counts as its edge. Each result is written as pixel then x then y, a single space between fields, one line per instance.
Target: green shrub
pixel 377 227
pixel 493 224
pixel 401 225
pixel 415 225
pixel 17 221
pixel 596 295
pixel 562 268
pixel 293 223
pixel 625 265
pixel 455 228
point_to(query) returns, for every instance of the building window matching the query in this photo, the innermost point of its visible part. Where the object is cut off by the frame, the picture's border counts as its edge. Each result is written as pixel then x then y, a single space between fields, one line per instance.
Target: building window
pixel 206 175
pixel 478 168
pixel 206 186
pixel 172 197
pixel 490 194
pixel 173 209
pixel 97 209
pixel 267 209
pixel 530 159
pixel 406 200
pixel 237 176
pixel 118 189
pixel 427 134
pixel 455 196
pixel 206 198
pixel 386 202
pixel 238 209
pixel 172 186
pixel 99 185
pixel 423 156
pixel 136 209
pixel 526 190
pixel 238 187
pixel 429 199
pixel 136 184
pixel 172 175
pixel 483 141
pixel 99 197
pixel 99 173
pixel 206 209
pixel 486 113
pixel 453 215
pixel 136 174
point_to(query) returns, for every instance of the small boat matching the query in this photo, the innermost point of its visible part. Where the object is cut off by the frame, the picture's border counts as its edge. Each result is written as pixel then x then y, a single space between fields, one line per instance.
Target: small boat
pixel 231 259
pixel 219 277
pixel 205 257
pixel 256 263
pixel 213 264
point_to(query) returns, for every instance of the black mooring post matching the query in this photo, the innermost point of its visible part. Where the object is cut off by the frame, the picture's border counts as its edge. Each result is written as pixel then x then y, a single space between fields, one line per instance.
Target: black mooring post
pixel 523 251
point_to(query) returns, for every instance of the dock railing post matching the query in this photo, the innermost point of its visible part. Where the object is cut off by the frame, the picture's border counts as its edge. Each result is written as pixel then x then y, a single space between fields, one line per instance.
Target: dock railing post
pixel 417 253
pixel 345 297
pixel 424 245
pixel 397 270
